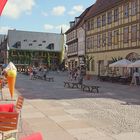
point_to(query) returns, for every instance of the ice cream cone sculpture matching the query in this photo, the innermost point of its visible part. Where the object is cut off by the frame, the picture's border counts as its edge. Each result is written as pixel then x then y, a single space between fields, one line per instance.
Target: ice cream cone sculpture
pixel 11 79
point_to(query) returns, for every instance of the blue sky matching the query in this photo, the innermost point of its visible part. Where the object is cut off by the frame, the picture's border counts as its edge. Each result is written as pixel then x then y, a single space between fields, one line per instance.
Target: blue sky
pixel 41 15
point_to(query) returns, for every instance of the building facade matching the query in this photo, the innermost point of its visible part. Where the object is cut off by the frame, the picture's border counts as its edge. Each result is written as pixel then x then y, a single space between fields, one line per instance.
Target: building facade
pixel 35 48
pixel 75 40
pixel 72 43
pixel 112 31
pixel 3 49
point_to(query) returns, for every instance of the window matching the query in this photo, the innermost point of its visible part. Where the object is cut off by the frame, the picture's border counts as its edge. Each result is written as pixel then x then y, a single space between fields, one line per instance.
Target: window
pixel 18 44
pixel 51 46
pixel 25 40
pixel 40 53
pixel 30 44
pixel 104 40
pixel 87 43
pixel 44 41
pixel 98 41
pixel 126 10
pixel 95 40
pixel 110 38
pixel 109 17
pixel 98 22
pixel 126 35
pixel 116 14
pixel 34 41
pixel 39 44
pixel 134 7
pixel 87 25
pixel 44 53
pixel 92 41
pixel 104 20
pixel 14 52
pixel 116 37
pixel 92 24
pixel 134 33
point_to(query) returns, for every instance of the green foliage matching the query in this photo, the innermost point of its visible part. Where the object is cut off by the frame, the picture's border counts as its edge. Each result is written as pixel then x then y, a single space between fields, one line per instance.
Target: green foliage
pixel 114 59
pixel 87 60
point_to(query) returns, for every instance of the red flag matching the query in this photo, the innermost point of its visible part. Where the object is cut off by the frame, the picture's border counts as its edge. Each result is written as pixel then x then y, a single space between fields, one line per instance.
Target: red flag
pixel 2 4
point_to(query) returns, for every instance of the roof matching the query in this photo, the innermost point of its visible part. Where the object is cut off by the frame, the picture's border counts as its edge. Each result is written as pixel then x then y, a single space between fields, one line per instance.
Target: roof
pixel 101 6
pixel 80 22
pixel 29 40
pixel 98 7
pixel 82 17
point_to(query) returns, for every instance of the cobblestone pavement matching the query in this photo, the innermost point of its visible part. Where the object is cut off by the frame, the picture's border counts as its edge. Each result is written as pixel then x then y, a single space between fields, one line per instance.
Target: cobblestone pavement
pixel 112 114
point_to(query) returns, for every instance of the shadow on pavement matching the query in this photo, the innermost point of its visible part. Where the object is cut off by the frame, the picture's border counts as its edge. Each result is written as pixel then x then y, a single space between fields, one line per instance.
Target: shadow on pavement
pixel 40 89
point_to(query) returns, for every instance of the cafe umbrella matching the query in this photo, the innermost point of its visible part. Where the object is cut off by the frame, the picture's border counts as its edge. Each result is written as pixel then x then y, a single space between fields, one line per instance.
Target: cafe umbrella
pixel 136 64
pixel 121 63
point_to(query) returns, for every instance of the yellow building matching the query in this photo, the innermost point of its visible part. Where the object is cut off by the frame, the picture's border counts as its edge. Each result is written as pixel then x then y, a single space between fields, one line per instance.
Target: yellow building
pixel 112 30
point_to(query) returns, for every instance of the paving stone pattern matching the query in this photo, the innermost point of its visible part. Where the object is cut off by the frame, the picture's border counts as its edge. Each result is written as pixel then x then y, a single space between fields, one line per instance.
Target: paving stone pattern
pixel 71 114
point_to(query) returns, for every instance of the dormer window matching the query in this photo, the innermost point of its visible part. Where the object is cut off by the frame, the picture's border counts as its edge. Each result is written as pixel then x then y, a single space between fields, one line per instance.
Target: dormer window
pixel 39 44
pixel 50 46
pixel 30 44
pixel 34 40
pixel 17 45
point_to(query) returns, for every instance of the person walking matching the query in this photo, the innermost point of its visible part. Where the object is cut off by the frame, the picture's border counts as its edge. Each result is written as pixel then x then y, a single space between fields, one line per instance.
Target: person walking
pixel 135 78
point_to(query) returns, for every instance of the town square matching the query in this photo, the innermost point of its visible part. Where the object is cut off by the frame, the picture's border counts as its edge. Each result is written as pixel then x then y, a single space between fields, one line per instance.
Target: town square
pixel 74 82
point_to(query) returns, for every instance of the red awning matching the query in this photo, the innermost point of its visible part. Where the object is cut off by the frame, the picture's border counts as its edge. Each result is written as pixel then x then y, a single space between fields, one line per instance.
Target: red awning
pixel 2 4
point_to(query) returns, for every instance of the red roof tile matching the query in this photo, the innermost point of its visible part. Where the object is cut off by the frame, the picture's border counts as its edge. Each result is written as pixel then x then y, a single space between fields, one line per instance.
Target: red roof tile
pixel 95 9
pixel 101 6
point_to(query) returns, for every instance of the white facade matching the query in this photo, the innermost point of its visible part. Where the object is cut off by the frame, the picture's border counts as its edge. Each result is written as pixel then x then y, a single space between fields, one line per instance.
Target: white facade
pixel 35 40
pixel 81 41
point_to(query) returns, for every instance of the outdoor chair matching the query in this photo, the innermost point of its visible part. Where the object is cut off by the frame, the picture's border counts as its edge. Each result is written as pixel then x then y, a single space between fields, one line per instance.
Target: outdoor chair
pixel 8 125
pixel 19 103
pixel 13 108
pixel 18 107
pixel 34 136
pixel 6 107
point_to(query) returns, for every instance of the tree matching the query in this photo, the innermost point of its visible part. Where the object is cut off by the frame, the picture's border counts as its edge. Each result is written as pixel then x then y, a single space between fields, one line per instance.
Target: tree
pixel 114 59
pixel 87 60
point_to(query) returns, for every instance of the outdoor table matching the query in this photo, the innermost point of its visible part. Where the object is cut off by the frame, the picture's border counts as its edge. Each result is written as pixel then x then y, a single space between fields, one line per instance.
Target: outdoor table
pixel 124 80
pixel 114 78
pixel 104 78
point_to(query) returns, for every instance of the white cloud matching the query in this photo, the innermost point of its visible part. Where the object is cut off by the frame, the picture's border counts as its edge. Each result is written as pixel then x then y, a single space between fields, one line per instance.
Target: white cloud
pixel 14 8
pixel 63 26
pixel 57 28
pixel 59 10
pixel 76 9
pixel 48 27
pixel 4 29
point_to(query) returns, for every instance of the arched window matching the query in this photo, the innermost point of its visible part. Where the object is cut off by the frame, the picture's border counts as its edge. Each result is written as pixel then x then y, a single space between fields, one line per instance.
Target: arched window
pixel 133 56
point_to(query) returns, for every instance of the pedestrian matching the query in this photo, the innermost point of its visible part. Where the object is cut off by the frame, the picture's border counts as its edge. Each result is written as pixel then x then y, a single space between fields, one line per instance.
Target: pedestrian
pixel 70 75
pixel 135 78
pixel 31 73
